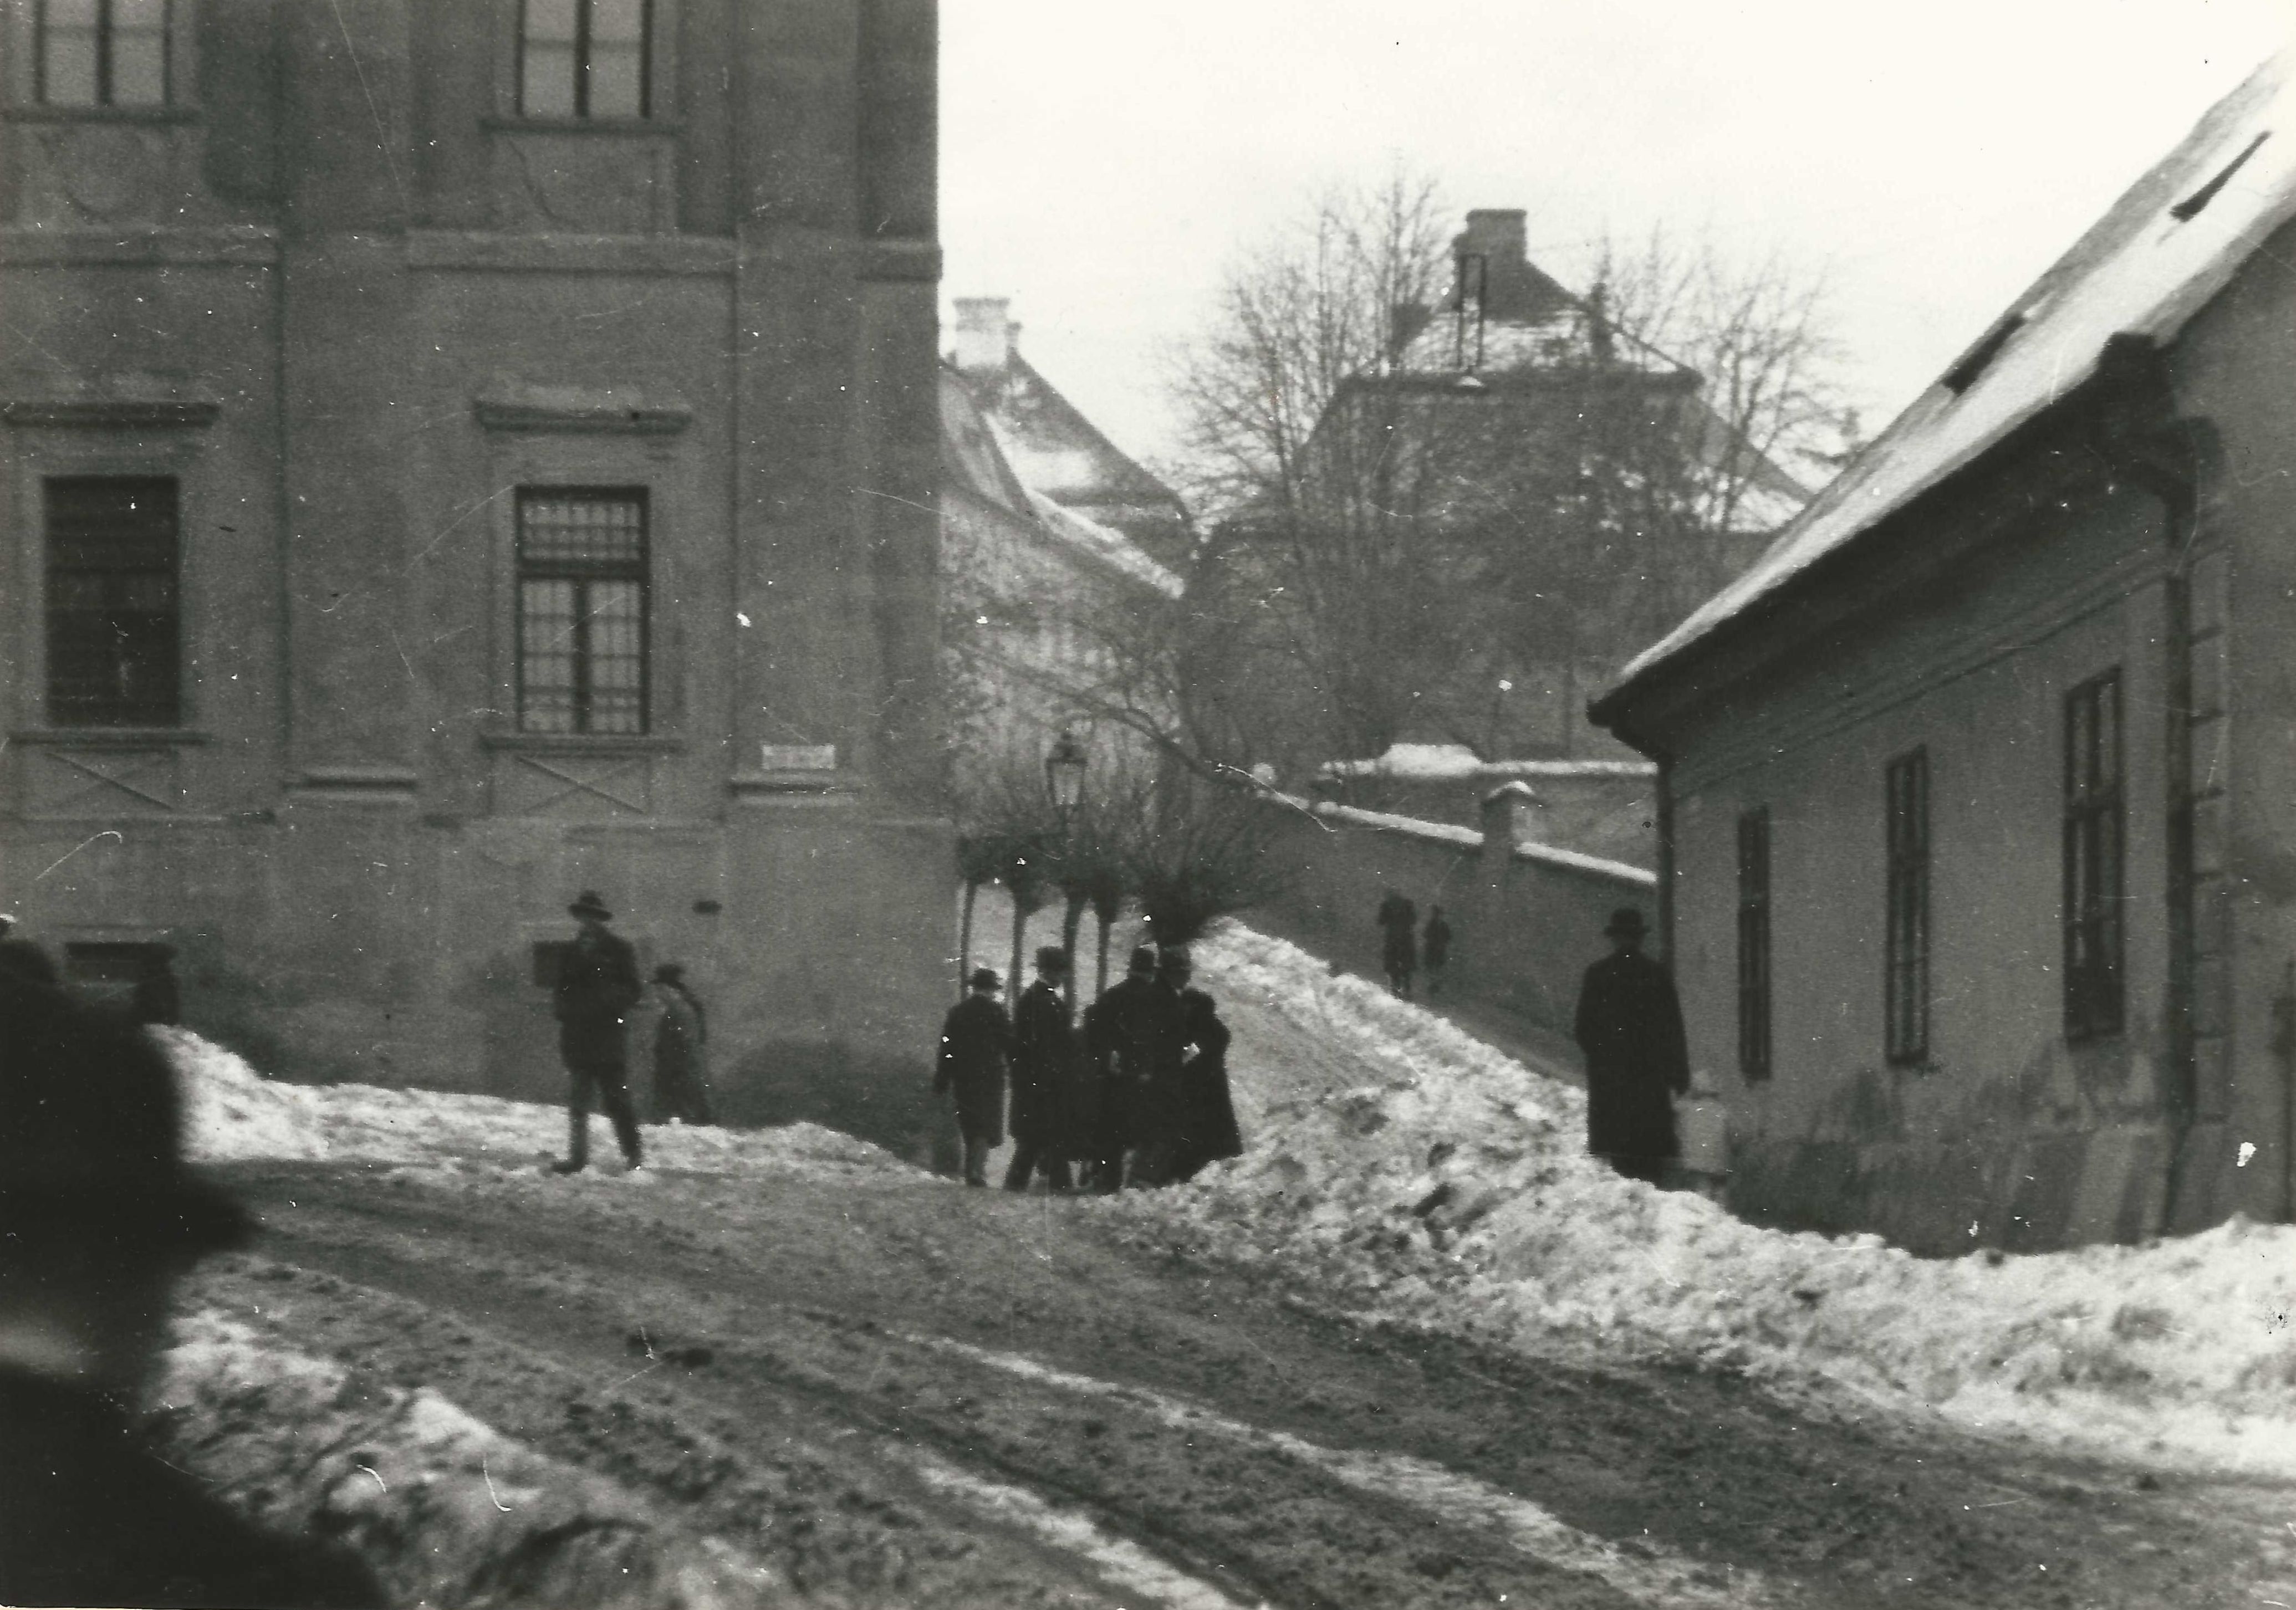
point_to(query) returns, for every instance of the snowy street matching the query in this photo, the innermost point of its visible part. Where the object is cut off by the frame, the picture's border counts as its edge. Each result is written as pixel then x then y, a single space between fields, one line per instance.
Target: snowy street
pixel 1412 1350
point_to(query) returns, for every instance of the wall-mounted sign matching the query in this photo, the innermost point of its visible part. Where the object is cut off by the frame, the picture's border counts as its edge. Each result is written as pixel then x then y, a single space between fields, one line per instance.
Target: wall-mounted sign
pixel 798 757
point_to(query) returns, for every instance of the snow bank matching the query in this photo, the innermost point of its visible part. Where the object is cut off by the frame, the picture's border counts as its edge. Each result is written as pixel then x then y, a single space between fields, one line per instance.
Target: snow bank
pixel 445 1509
pixel 1439 1181
pixel 230 1111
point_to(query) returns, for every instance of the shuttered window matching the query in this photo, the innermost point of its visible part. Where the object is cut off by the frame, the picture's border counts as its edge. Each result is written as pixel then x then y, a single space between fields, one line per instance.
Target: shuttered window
pixel 1907 989
pixel 2093 857
pixel 1754 943
pixel 582 631
pixel 113 621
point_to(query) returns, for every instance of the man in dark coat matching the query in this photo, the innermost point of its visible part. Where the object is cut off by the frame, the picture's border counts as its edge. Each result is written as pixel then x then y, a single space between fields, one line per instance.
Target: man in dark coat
pixel 1435 950
pixel 98 1217
pixel 1629 1025
pixel 598 985
pixel 1398 949
pixel 976 1044
pixel 1204 1126
pixel 681 1038
pixel 1044 1071
pixel 1119 1035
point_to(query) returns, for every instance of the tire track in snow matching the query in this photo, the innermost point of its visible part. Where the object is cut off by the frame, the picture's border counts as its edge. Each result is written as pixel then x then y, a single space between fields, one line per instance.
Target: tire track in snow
pixel 1643 1571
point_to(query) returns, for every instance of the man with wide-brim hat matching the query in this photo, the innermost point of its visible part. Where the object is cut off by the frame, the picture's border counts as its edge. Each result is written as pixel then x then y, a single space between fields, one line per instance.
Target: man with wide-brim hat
pixel 1629 1025
pixel 976 1046
pixel 98 1217
pixel 598 985
pixel 1045 1066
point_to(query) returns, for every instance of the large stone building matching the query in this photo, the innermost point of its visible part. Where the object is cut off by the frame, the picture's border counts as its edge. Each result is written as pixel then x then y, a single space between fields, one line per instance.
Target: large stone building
pixel 1978 792
pixel 457 453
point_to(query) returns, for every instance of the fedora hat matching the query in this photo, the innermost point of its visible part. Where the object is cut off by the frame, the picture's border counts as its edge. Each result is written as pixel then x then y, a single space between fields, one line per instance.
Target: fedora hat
pixel 588 904
pixel 1626 920
pixel 1052 959
pixel 986 979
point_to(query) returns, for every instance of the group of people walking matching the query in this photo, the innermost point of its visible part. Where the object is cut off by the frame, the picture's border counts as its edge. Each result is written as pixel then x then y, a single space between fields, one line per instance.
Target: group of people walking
pixel 596 991
pixel 1404 948
pixel 1138 1095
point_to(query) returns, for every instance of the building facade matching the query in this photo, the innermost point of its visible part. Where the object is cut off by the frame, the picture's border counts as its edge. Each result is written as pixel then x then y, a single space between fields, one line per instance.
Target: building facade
pixel 1978 793
pixel 458 453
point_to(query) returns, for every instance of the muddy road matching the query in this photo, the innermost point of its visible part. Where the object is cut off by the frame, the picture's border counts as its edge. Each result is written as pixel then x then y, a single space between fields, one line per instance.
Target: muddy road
pixel 905 1392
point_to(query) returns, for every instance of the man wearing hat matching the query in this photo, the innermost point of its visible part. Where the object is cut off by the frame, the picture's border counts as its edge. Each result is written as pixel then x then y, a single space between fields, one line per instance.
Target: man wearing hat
pixel 598 985
pixel 98 1217
pixel 681 1072
pixel 1121 1033
pixel 1043 1070
pixel 1629 1025
pixel 976 1039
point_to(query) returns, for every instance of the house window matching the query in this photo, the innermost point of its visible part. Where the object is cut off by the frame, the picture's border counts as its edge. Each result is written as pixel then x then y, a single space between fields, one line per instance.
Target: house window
pixel 2093 850
pixel 100 52
pixel 113 620
pixel 582 609
pixel 1754 943
pixel 1906 1005
pixel 585 58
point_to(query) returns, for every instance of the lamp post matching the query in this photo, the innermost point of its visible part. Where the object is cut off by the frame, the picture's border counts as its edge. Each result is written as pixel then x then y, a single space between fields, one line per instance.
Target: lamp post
pixel 1064 782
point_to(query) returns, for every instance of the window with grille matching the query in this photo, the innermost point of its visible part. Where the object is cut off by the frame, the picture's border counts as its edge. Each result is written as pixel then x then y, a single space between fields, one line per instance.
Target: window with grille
pixel 100 52
pixel 585 58
pixel 1907 1003
pixel 113 622
pixel 1754 943
pixel 2093 854
pixel 582 609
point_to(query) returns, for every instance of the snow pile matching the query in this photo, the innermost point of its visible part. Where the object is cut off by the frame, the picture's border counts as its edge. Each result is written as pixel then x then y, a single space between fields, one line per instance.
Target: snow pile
pixel 444 1509
pixel 1438 1180
pixel 231 1111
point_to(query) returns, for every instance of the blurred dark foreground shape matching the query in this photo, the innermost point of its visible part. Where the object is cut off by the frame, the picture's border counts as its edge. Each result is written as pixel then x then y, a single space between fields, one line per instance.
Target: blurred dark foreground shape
pixel 98 1217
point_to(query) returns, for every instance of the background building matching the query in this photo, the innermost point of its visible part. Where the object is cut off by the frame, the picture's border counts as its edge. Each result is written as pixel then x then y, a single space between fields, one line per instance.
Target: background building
pixel 457 453
pixel 1977 791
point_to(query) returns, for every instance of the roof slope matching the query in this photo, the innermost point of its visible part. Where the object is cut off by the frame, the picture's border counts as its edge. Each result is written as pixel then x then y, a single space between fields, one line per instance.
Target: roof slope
pixel 1054 448
pixel 2157 255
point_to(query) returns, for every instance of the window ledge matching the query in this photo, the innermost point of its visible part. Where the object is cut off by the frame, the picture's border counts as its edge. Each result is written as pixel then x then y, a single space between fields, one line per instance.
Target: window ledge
pixel 109 738
pixel 583 743
pixel 664 127
pixel 43 113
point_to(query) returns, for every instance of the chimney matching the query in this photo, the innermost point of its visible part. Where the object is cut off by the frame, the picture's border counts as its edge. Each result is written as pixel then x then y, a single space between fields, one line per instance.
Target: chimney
pixel 1512 288
pixel 1513 814
pixel 984 334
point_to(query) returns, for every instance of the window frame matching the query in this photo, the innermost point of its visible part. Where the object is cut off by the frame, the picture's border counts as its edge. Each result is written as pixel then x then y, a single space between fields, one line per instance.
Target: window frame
pixel 2095 851
pixel 1756 1061
pixel 1906 941
pixel 648 16
pixel 106 33
pixel 639 570
pixel 124 715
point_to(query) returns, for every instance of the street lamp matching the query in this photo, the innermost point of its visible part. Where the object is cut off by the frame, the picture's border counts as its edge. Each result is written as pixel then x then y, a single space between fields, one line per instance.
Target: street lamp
pixel 1064 774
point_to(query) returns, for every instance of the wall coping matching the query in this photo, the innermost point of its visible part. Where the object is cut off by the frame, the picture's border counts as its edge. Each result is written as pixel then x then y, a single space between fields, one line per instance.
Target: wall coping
pixel 1459 838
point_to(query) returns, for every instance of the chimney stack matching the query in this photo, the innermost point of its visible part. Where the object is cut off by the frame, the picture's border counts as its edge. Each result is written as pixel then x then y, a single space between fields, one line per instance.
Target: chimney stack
pixel 1514 814
pixel 984 335
pixel 1512 288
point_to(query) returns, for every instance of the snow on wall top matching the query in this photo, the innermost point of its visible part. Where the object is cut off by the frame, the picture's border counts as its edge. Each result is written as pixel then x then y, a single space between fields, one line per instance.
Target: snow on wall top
pixel 2157 255
pixel 1457 763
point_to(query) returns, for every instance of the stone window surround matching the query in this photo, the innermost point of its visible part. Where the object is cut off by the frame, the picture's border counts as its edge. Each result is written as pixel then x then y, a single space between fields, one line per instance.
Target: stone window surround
pixel 660 90
pixel 16 35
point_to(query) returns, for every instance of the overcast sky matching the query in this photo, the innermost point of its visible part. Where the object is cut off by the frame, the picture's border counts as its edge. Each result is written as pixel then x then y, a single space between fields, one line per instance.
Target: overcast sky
pixel 1101 163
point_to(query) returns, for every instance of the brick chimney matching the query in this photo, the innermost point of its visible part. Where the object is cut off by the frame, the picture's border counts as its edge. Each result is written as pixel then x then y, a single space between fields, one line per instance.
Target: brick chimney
pixel 1512 288
pixel 985 334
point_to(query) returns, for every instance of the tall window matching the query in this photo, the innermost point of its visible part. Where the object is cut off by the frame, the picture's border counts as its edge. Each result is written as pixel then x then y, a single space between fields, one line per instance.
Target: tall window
pixel 100 52
pixel 113 609
pixel 585 58
pixel 582 609
pixel 1754 943
pixel 1906 1006
pixel 2093 851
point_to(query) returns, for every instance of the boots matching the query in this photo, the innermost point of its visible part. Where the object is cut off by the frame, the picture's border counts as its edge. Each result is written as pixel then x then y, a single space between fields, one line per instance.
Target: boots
pixel 577 1144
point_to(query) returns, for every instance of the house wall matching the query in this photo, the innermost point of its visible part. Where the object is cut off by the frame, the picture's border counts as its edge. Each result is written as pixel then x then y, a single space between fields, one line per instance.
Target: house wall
pixel 2004 1135
pixel 353 302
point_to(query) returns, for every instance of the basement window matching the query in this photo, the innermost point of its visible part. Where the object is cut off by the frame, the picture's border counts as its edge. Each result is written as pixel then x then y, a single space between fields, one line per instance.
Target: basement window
pixel 2189 208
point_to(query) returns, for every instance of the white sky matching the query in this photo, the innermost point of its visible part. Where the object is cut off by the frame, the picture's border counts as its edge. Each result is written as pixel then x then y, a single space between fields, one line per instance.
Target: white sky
pixel 1102 162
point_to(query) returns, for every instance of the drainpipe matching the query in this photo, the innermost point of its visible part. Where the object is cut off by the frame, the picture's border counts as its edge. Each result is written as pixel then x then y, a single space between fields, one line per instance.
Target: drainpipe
pixel 2283 1047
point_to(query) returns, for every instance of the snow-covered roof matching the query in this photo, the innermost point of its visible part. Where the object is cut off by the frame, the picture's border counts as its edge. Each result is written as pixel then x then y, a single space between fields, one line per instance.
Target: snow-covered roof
pixel 2157 258
pixel 1554 338
pixel 1111 547
pixel 1457 763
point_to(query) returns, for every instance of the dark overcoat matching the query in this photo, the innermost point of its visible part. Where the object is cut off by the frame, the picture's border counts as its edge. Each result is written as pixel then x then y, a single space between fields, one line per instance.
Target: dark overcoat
pixel 976 1042
pixel 1398 952
pixel 1630 1024
pixel 681 1058
pixel 1123 1037
pixel 1206 1119
pixel 598 985
pixel 1043 1068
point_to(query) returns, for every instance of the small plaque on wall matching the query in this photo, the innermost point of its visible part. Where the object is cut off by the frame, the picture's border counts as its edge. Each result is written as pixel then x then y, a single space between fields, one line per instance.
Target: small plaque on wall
pixel 798 757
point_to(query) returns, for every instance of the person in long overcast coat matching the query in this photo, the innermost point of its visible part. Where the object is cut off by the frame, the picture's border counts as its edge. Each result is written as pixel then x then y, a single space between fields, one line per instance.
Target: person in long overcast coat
pixel 1118 1033
pixel 1629 1025
pixel 598 985
pixel 976 1042
pixel 681 1053
pixel 1044 1069
pixel 1206 1119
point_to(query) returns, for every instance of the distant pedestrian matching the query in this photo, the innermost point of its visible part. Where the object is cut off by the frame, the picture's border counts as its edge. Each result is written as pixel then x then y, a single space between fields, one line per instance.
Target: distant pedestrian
pixel 681 1040
pixel 976 1042
pixel 1435 950
pixel 1630 1024
pixel 158 1000
pixel 1118 1033
pixel 598 985
pixel 1398 950
pixel 1205 1128
pixel 1043 1072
